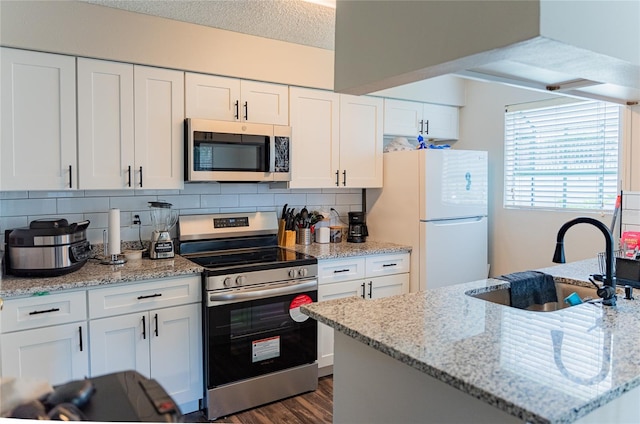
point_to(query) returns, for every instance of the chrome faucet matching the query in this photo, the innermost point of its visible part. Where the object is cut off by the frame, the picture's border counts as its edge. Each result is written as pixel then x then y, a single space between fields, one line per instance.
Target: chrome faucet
pixel 608 291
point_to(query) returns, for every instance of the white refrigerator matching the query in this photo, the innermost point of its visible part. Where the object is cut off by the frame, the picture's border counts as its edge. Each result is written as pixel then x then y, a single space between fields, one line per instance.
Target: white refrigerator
pixel 434 200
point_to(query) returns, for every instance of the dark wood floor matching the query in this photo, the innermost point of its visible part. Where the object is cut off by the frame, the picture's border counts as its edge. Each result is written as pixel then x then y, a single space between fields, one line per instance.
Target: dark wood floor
pixel 308 408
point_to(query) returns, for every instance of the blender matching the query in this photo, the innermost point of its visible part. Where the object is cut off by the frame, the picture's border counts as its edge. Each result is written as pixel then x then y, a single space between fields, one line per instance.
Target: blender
pixel 163 219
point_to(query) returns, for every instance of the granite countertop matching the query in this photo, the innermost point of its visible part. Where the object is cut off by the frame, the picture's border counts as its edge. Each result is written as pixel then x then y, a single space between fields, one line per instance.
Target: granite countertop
pixel 502 355
pixel 93 274
pixel 344 249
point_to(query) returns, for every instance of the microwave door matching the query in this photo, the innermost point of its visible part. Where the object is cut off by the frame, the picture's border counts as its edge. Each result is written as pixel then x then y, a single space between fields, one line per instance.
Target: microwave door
pixel 215 154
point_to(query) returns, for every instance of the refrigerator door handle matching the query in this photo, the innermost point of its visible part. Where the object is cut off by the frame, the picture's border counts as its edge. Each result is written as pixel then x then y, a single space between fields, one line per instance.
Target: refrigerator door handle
pixel 445 221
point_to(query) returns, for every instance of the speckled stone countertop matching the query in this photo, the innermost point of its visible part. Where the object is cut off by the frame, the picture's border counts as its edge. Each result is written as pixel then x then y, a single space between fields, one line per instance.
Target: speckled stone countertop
pixel 538 366
pixel 344 249
pixel 93 273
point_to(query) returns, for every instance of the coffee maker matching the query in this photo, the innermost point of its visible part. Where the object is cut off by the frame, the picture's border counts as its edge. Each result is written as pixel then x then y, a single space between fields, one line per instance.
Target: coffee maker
pixel 163 219
pixel 357 228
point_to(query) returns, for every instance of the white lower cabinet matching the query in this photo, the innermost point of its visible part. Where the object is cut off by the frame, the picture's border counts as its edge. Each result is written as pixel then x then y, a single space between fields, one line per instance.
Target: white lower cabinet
pixel 369 277
pixel 161 340
pixel 159 344
pixel 45 337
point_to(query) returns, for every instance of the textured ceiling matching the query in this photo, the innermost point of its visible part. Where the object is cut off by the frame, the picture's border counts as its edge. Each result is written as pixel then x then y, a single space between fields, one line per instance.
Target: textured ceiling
pixel 294 21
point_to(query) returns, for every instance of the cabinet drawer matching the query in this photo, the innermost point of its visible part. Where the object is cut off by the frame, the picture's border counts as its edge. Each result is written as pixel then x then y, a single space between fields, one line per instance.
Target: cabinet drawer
pixel 335 270
pixel 387 264
pixel 40 311
pixel 143 296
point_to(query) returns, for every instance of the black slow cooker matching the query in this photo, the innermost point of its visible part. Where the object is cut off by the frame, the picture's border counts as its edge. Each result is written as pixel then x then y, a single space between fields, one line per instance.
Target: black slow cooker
pixel 47 248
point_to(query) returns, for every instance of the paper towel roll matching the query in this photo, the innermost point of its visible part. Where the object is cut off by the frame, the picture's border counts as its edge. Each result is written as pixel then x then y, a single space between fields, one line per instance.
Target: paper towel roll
pixel 113 245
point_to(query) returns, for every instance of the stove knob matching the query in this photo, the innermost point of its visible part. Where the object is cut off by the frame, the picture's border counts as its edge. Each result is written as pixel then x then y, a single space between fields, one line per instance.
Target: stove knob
pixel 292 273
pixel 241 280
pixel 227 281
pixel 302 272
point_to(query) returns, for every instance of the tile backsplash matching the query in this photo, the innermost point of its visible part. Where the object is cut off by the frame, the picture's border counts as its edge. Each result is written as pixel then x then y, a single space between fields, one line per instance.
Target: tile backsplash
pixel 19 208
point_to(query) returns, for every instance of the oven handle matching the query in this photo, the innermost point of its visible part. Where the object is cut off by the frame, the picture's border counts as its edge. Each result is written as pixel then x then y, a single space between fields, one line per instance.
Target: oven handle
pixel 217 299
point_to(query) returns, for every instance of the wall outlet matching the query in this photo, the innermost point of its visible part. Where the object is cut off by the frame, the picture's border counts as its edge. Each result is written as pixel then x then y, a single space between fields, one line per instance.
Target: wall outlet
pixel 135 219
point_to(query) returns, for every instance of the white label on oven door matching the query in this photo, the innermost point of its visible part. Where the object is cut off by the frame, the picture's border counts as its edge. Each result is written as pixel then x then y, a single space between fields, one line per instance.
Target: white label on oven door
pixel 294 307
pixel 266 348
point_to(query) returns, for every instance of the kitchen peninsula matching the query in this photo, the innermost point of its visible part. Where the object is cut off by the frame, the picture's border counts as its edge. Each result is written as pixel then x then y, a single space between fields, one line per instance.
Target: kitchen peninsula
pixel 443 356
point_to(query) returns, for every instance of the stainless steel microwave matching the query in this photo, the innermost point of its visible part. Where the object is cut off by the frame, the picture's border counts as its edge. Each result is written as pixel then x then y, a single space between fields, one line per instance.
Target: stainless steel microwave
pixel 236 151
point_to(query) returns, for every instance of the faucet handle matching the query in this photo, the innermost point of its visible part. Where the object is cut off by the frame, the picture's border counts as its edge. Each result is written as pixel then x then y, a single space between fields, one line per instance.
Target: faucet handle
pixel 607 293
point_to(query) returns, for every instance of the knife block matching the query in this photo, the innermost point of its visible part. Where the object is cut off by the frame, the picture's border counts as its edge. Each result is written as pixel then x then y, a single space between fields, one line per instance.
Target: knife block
pixel 286 238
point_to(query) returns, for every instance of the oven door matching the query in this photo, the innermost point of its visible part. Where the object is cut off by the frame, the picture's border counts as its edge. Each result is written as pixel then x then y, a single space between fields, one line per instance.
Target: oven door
pixel 259 330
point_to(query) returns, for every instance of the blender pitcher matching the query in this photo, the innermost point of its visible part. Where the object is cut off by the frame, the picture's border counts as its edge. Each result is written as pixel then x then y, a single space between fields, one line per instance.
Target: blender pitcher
pixel 163 218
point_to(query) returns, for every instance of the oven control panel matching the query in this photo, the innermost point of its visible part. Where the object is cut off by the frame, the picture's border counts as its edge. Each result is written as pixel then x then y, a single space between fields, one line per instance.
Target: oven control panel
pixel 226 281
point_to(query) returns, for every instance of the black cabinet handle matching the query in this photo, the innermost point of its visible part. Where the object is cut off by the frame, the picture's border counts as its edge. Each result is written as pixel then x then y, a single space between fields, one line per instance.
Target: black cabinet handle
pixel 344 177
pixel 70 176
pixel 427 131
pixel 45 311
pixel 386 265
pixel 362 287
pixel 421 126
pixel 338 178
pixel 150 296
pixel 337 271
pixel 156 320
pixel 370 289
pixel 246 111
pixel 80 331
pixel 237 107
pixel 140 176
pixel 129 172
pixel 144 328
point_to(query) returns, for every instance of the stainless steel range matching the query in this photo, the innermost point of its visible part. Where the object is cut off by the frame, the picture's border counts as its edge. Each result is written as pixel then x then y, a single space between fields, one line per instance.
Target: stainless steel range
pixel 258 346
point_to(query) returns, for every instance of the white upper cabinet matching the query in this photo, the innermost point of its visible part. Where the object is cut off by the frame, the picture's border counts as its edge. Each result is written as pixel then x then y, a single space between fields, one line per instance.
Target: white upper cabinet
pixel 231 99
pixel 315 138
pixel 159 123
pixel 337 139
pixel 105 124
pixel 361 120
pixel 38 135
pixel 409 119
pixel 130 126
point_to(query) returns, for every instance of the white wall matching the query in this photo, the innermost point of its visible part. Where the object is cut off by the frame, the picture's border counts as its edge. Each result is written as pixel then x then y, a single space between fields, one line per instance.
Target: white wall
pixel 81 29
pixel 518 239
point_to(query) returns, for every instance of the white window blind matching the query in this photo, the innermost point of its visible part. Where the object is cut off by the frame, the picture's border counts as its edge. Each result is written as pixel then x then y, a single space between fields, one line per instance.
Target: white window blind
pixel 561 155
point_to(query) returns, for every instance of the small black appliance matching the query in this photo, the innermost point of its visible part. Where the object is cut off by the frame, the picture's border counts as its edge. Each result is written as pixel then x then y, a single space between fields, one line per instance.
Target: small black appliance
pixel 357 228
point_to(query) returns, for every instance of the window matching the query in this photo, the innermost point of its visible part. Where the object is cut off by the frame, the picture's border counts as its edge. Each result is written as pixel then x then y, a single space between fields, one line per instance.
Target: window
pixel 561 154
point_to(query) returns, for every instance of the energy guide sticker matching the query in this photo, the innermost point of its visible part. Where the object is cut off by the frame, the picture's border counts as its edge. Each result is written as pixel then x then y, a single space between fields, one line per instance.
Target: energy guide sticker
pixel 265 349
pixel 294 307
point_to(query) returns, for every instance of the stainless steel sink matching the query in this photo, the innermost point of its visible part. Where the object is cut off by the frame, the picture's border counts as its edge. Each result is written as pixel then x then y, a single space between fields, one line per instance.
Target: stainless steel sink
pixel 501 296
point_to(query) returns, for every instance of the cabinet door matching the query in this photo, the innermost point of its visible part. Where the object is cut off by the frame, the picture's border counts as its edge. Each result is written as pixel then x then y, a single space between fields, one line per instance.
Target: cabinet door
pixel 120 343
pixel 315 138
pixel 360 141
pixel 212 97
pixel 389 285
pixel 58 353
pixel 105 124
pixel 325 333
pixel 176 351
pixel 159 123
pixel 38 134
pixel 402 118
pixel 264 103
pixel 440 122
